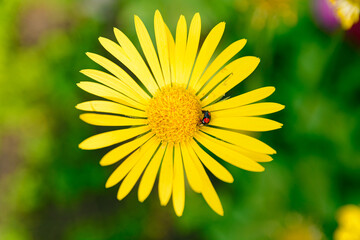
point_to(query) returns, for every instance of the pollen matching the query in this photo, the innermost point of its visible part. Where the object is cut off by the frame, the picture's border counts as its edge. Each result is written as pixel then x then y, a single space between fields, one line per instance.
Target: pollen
pixel 174 114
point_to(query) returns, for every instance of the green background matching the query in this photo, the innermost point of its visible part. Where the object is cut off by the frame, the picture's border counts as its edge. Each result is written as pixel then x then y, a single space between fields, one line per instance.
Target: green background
pixel 52 190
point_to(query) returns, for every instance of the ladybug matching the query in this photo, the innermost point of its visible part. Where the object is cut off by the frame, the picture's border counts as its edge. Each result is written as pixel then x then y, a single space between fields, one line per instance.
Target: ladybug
pixel 207 117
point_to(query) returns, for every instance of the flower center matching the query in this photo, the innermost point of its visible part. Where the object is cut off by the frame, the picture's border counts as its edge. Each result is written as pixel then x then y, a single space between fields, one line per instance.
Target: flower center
pixel 174 114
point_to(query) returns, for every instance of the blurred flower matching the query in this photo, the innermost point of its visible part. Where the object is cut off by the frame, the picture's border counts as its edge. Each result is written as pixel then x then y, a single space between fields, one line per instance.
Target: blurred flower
pixel 298 228
pixel 37 21
pixel 270 13
pixel 348 11
pixel 354 33
pixel 324 15
pixel 348 218
pixel 167 124
pixel 327 18
pixel 97 9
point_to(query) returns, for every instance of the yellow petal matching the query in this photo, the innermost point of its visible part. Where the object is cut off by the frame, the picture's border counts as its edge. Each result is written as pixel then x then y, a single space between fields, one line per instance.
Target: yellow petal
pixel 179 182
pixel 149 177
pixel 239 139
pixel 123 150
pixel 255 109
pixel 243 99
pixel 166 176
pixel 258 157
pixel 128 164
pixel 110 107
pixel 255 124
pixel 192 174
pixel 219 61
pixel 107 64
pixel 192 46
pixel 231 68
pixel 162 46
pixel 122 170
pixel 214 166
pixel 119 53
pixel 246 65
pixel 111 120
pixel 149 51
pixel 206 51
pixel 207 190
pixel 171 48
pixel 116 71
pixel 113 137
pixel 108 93
pixel 228 155
pixel 137 170
pixel 139 67
pixel 113 83
pixel 115 49
pixel 180 46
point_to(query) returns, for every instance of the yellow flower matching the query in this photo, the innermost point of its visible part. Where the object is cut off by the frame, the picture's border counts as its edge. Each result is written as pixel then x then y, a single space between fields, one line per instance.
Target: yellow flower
pixel 348 218
pixel 296 227
pixel 269 13
pixel 347 11
pixel 159 109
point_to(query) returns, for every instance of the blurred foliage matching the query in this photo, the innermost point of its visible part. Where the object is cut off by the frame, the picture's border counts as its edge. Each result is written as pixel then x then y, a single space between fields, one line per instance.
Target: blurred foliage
pixel 53 190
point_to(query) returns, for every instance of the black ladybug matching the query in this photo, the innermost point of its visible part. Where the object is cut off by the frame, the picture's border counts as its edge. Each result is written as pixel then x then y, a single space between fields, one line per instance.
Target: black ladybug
pixel 207 117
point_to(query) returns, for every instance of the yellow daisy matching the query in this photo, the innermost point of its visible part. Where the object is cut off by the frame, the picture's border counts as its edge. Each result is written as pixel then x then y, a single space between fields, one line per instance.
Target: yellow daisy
pixel 170 115
pixel 348 11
